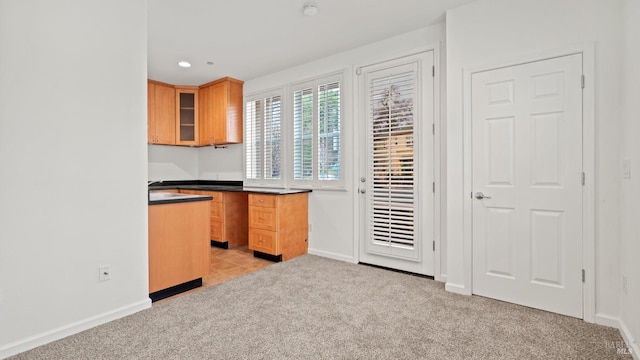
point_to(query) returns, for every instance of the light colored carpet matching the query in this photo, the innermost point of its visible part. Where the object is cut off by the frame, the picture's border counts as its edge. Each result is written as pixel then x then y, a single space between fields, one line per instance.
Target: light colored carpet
pixel 316 308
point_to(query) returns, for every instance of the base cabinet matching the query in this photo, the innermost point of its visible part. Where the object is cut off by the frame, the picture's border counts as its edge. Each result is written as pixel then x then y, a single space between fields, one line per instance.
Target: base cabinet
pixel 228 217
pixel 278 224
pixel 178 243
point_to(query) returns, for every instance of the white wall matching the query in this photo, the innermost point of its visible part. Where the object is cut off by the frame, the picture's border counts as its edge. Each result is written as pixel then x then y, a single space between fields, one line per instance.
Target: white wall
pixel 223 163
pixel 74 165
pixel 172 162
pixel 488 31
pixel 331 213
pixel 630 188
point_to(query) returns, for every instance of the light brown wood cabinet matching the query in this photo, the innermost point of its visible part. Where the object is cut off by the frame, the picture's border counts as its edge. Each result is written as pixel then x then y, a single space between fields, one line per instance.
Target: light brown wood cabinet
pixel 186 116
pixel 161 113
pixel 278 224
pixel 178 243
pixel 221 112
pixel 210 114
pixel 228 217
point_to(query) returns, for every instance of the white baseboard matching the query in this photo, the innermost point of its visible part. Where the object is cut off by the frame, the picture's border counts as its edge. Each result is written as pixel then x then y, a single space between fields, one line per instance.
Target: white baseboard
pixel 629 340
pixel 608 320
pixel 331 255
pixel 34 341
pixel 456 288
pixel 612 321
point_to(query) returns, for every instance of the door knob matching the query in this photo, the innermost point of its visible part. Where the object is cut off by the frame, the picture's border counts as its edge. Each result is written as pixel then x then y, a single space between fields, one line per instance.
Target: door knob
pixel 480 196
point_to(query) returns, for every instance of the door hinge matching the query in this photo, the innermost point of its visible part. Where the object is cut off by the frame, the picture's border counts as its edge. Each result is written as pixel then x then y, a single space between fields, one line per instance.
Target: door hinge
pixel 433 71
pixel 433 187
pixel 434 245
pixel 583 275
pixel 582 81
pixel 584 180
pixel 433 129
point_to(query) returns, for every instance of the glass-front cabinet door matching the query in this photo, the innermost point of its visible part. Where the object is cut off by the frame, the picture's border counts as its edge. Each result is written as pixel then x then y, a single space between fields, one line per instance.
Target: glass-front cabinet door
pixel 187 116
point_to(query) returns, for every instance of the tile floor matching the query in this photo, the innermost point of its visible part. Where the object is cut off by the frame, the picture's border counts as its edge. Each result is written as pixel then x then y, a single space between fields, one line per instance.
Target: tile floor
pixel 227 264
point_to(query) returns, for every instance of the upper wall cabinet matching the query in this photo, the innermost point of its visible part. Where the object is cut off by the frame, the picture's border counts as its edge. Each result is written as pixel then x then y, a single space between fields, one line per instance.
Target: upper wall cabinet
pixel 195 116
pixel 161 116
pixel 221 112
pixel 187 116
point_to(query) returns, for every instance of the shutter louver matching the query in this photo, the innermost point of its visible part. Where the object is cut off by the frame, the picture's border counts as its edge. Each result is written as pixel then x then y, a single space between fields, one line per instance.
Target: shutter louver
pixel 391 128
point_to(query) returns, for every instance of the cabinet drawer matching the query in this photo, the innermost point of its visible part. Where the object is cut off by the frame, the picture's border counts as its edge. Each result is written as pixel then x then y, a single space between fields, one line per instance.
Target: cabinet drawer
pixel 268 201
pixel 217 213
pixel 216 231
pixel 262 218
pixel 263 241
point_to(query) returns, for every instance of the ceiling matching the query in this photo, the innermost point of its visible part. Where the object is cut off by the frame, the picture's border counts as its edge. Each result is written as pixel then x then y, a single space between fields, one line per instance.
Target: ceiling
pixel 246 39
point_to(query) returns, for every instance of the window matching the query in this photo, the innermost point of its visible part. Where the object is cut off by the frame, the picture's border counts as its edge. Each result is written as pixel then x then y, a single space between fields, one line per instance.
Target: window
pixel 317 132
pixel 263 137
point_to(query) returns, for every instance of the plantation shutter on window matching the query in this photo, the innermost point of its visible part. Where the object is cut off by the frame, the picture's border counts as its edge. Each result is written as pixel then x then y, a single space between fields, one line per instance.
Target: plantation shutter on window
pixel 253 139
pixel 391 166
pixel 303 134
pixel 329 166
pixel 263 138
pixel 317 132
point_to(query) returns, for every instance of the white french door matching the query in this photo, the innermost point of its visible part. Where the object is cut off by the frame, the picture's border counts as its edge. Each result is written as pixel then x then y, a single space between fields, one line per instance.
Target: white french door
pixel 396 172
pixel 527 184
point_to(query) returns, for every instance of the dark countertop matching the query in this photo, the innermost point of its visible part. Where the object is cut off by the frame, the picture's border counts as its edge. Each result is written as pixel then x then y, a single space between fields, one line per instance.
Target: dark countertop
pixel 211 185
pixel 169 198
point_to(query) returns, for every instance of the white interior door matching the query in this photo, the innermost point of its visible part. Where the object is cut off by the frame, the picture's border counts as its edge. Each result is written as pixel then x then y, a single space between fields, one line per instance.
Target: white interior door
pixel 527 184
pixel 397 201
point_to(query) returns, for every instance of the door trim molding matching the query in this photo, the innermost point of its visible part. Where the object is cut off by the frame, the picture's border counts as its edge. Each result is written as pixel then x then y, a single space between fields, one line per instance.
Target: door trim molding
pixel 588 158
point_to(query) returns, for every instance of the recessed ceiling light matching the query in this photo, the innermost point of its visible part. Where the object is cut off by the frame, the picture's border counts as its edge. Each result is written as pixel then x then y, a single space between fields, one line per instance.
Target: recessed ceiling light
pixel 184 64
pixel 310 9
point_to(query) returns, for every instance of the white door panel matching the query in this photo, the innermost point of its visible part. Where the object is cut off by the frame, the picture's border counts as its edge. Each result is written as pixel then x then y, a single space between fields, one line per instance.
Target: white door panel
pixel 527 161
pixel 397 204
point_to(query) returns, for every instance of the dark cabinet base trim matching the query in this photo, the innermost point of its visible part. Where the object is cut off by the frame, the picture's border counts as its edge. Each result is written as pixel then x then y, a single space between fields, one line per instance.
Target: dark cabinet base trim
pixel 220 244
pixel 261 255
pixel 165 293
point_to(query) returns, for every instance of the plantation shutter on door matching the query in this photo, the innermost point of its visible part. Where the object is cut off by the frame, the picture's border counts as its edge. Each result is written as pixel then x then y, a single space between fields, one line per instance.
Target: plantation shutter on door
pixel 390 190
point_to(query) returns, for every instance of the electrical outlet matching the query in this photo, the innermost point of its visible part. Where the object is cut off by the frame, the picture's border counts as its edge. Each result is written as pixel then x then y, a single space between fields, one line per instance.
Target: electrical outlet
pixel 624 284
pixel 626 169
pixel 104 273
